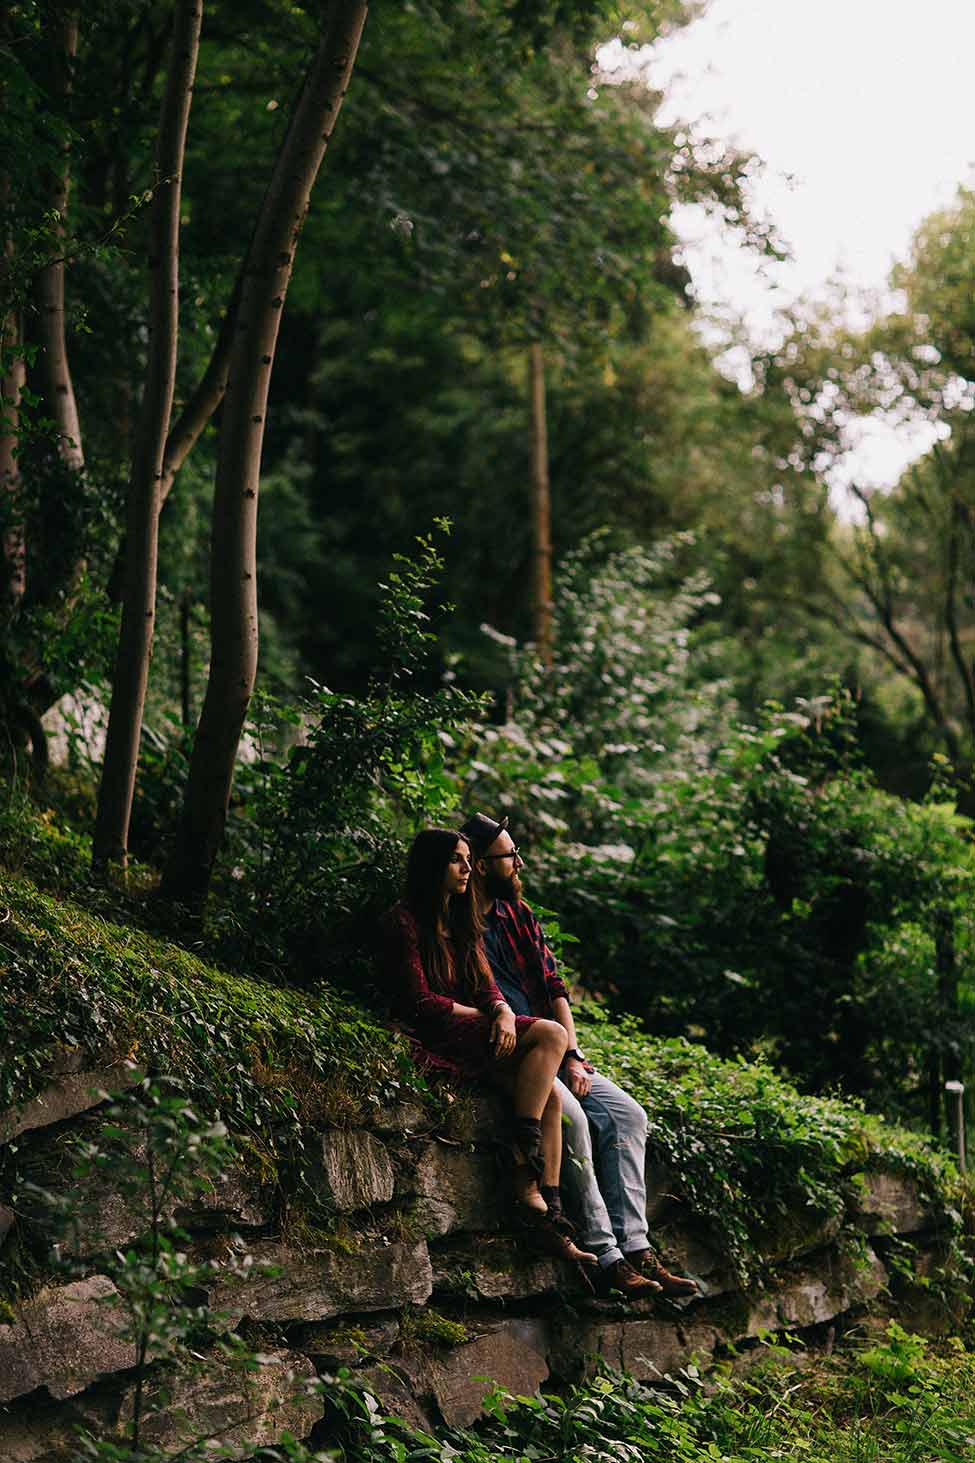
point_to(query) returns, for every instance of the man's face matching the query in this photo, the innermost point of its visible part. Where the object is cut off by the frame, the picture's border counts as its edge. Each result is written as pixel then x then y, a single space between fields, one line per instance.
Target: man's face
pixel 500 864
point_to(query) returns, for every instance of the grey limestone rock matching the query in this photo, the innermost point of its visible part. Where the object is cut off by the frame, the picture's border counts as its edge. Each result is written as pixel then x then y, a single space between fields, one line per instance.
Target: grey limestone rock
pixel 822 1288
pixel 512 1354
pixel 889 1203
pixel 40 1434
pixel 400 1118
pixel 456 1189
pixel 236 1410
pixel 477 1117
pixel 499 1268
pixel 356 1170
pixel 647 1348
pixel 345 1344
pixel 315 1284
pixel 77 1082
pixel 64 1339
pixel 396 1396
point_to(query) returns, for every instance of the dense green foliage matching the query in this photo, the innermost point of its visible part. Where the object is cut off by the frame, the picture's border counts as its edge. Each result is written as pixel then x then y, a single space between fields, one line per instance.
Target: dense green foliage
pixel 741 1143
pixel 272 1061
pixel 748 884
pixel 893 1400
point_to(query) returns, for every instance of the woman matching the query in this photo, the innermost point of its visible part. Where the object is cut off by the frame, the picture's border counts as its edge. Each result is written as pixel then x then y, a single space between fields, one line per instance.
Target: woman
pixel 441 984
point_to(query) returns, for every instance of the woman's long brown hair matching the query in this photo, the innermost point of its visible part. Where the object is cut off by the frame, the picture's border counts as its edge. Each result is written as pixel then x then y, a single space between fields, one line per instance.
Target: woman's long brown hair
pixel 426 869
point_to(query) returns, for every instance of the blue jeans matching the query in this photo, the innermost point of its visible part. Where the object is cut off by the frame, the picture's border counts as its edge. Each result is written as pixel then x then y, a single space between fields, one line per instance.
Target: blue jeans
pixel 604 1140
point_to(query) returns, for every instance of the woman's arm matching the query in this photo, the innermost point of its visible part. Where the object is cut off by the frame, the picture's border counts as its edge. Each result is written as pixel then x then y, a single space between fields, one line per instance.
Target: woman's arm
pixel 405 977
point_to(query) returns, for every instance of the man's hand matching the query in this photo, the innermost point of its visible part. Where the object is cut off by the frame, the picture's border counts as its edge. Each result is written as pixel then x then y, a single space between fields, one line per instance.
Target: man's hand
pixel 577 1079
pixel 503 1031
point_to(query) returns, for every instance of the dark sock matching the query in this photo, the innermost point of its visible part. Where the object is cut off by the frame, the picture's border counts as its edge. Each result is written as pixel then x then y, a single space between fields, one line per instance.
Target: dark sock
pixel 528 1137
pixel 553 1198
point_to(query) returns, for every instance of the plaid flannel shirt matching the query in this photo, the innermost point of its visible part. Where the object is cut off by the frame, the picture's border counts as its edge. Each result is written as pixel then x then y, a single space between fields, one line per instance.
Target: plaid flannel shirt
pixel 523 942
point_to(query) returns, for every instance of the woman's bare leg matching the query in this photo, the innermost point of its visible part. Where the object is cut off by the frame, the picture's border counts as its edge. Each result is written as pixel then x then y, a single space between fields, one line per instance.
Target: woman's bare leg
pixel 552 1140
pixel 537 1059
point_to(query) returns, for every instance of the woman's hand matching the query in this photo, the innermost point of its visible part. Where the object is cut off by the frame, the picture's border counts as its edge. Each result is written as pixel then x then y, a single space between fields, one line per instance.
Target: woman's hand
pixel 503 1031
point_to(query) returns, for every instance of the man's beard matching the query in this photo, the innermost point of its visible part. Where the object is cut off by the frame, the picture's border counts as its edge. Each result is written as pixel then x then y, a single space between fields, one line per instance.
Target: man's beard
pixel 503 886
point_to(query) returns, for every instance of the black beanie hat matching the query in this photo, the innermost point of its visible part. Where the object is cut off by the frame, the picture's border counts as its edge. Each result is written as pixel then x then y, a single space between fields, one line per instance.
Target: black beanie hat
pixel 481 831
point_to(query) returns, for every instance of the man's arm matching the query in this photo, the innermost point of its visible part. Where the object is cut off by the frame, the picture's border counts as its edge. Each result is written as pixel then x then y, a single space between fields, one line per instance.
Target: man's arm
pixel 575 1076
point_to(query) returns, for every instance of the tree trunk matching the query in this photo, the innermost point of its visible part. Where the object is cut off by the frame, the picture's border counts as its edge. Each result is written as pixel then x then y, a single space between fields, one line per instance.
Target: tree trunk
pixel 541 511
pixel 13 560
pixel 185 647
pixel 210 389
pixel 55 371
pixel 14 544
pixel 117 784
pixel 233 561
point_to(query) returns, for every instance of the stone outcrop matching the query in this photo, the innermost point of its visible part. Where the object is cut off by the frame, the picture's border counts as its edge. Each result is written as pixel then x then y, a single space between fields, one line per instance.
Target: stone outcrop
pixel 421 1287
pixel 237 1410
pixel 289 1284
pixel 888 1203
pixel 77 1084
pixel 64 1339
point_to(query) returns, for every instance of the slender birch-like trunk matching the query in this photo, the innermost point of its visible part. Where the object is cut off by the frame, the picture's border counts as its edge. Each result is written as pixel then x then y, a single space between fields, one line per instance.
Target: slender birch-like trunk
pixel 541 511
pixel 233 561
pixel 11 386
pixel 13 551
pixel 53 364
pixel 117 786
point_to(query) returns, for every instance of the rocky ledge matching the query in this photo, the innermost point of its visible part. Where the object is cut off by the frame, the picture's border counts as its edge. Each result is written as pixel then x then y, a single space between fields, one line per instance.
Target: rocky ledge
pixel 421 1286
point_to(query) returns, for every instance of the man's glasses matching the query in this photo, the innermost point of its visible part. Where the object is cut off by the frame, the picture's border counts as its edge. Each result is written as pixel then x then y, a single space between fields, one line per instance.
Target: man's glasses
pixel 512 853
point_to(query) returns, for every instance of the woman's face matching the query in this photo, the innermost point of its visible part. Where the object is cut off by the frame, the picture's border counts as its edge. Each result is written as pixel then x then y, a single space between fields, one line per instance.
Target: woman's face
pixel 458 870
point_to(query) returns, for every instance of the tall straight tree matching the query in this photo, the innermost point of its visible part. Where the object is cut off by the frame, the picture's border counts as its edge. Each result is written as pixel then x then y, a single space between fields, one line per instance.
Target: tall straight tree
pixel 233 563
pixel 541 510
pixel 117 784
pixel 62 23
pixel 13 558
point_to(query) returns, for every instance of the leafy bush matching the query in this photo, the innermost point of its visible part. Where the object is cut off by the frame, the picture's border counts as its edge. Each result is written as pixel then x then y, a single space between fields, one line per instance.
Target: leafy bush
pixel 787 1406
pixel 320 845
pixel 749 885
pixel 274 1062
pixel 742 1147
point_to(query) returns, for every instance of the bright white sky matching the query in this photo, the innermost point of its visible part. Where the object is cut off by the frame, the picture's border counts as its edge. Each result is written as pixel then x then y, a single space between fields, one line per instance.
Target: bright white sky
pixel 864 111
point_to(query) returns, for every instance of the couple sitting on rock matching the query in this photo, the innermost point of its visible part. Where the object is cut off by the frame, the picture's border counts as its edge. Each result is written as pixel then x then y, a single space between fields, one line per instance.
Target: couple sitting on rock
pixel 468 969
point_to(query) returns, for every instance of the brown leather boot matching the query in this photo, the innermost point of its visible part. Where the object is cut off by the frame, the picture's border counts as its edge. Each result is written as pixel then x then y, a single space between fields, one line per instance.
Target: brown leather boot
pixel 645 1262
pixel 549 1238
pixel 621 1276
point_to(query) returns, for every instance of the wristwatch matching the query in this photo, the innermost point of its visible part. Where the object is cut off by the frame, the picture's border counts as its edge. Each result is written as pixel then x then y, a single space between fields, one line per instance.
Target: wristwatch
pixel 574 1052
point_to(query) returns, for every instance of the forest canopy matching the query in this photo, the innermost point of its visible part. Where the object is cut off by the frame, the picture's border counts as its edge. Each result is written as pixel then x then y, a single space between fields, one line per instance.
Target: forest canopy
pixel 321 318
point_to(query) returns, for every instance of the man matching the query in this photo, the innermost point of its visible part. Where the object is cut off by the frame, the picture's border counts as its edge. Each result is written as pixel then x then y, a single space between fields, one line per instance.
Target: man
pixel 610 1196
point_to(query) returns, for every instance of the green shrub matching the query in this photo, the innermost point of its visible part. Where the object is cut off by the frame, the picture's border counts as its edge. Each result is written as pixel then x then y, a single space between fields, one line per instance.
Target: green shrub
pixel 275 1062
pixel 752 886
pixel 742 1147
pixel 319 847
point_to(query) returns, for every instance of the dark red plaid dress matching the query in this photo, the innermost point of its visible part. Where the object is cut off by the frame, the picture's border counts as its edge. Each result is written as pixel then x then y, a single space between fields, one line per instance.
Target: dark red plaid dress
pixel 444 1040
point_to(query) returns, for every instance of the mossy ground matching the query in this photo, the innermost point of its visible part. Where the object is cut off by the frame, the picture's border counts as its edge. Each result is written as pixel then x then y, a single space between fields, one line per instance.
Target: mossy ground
pixel 741 1144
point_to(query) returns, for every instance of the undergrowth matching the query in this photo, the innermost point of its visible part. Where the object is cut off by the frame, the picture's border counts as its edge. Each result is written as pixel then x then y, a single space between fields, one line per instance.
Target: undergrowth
pixel 743 1147
pixel 274 1062
pixel 896 1399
